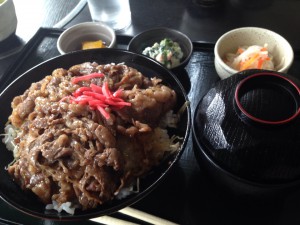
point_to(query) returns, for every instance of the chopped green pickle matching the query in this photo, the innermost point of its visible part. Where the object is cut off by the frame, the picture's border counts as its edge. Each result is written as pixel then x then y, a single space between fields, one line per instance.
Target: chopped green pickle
pixel 167 52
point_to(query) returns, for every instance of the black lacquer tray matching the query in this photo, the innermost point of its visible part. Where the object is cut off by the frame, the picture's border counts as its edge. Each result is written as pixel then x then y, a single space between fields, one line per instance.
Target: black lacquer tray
pixel 187 195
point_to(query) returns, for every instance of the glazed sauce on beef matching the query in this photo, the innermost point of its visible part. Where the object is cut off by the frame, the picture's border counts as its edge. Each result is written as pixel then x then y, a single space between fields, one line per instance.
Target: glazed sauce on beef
pixel 68 152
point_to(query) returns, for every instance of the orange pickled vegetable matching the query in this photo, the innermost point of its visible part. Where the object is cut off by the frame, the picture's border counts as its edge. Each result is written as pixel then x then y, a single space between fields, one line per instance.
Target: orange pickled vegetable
pixel 252 57
pixel 246 64
pixel 93 44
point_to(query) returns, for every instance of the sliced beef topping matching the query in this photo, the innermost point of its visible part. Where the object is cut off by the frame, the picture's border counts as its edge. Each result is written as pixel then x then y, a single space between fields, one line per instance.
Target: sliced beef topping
pixel 70 152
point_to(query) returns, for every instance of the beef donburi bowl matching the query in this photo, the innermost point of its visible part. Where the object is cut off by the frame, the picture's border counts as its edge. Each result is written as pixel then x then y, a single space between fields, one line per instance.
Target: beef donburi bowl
pixel 88 133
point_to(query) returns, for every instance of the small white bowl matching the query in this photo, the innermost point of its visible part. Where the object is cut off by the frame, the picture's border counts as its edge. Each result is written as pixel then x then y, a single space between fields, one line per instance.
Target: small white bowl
pixel 229 42
pixel 71 39
pixel 8 19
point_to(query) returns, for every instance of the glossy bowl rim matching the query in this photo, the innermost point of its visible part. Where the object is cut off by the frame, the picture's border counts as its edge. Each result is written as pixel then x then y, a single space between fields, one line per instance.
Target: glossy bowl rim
pixel 250 78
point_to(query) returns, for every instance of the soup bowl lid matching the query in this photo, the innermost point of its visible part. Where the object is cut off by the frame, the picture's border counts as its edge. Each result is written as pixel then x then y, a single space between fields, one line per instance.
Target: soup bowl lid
pixel 249 125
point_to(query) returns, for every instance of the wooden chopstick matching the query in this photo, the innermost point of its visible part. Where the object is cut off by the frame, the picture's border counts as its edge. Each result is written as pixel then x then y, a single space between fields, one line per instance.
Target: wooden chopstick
pixel 108 220
pixel 134 213
pixel 145 216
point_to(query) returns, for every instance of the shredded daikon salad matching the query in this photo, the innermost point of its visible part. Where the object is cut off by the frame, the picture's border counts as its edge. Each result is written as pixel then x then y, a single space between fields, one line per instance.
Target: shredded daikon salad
pixel 252 57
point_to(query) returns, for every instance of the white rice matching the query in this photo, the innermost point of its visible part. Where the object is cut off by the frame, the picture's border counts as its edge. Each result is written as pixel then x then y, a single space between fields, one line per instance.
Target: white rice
pixel 67 207
pixel 10 134
pixel 126 191
pixel 70 208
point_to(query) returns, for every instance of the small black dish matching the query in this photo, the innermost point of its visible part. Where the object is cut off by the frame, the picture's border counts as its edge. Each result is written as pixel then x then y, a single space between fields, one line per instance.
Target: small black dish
pixel 149 37
pixel 26 201
pixel 234 148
